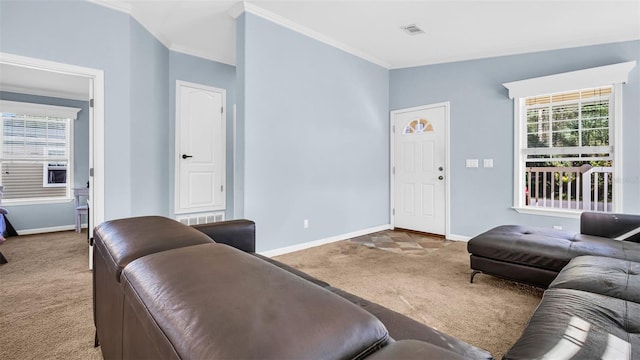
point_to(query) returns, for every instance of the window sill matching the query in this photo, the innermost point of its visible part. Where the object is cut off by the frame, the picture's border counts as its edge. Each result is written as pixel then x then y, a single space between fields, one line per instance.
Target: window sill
pixel 19 202
pixel 564 213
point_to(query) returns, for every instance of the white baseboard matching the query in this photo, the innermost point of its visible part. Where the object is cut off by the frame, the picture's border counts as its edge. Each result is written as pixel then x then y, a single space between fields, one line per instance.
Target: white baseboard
pixel 458 237
pixel 310 244
pixel 49 229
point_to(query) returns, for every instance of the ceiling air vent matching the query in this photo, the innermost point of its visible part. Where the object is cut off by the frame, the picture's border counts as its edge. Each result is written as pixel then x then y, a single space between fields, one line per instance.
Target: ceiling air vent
pixel 412 29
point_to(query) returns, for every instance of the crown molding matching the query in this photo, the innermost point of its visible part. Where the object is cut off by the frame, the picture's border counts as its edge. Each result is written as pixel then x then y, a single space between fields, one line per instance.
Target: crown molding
pixel 200 54
pixel 243 6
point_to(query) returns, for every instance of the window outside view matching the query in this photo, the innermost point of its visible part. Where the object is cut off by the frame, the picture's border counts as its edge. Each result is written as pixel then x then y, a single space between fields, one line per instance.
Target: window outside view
pixel 568 155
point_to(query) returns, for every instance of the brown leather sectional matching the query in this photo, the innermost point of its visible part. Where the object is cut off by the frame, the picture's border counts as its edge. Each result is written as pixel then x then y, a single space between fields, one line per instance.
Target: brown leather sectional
pixel 591 309
pixel 163 290
pixel 535 255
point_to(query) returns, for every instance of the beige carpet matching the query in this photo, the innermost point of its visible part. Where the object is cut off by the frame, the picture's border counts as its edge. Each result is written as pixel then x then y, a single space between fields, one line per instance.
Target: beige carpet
pixel 432 288
pixel 46 305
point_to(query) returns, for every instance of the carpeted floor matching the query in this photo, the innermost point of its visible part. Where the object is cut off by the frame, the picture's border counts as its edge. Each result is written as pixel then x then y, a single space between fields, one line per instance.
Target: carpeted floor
pixel 46 304
pixel 429 286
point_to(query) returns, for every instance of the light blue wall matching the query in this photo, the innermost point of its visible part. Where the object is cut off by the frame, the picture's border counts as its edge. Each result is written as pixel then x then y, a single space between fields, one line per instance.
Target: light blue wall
pixel 210 73
pixel 52 215
pixel 140 76
pixel 150 173
pixel 316 137
pixel 83 34
pixel 238 178
pixel 482 126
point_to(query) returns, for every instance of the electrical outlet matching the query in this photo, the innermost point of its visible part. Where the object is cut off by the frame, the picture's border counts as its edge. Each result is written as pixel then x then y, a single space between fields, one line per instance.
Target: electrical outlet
pixel 557 227
pixel 472 163
pixel 305 223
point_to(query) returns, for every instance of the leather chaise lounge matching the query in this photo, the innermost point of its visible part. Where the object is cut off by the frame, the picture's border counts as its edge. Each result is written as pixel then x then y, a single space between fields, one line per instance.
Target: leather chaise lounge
pixel 164 290
pixel 535 256
pixel 591 308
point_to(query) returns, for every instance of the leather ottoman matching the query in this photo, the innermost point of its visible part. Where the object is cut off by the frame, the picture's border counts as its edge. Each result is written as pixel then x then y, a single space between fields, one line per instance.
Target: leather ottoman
pixel 536 255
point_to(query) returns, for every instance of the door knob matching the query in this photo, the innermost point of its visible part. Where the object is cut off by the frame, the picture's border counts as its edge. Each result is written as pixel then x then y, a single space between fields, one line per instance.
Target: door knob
pixel 185 156
pixel 440 168
pixel 440 177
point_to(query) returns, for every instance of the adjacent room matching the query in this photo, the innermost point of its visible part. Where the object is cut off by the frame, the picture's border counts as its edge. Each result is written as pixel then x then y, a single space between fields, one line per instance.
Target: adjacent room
pixel 360 179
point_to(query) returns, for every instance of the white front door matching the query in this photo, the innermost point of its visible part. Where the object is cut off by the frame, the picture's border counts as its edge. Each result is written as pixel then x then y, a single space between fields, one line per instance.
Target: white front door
pixel 200 148
pixel 419 168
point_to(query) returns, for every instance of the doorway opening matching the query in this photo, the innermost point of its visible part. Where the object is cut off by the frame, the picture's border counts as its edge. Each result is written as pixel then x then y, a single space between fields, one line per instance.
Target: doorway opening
pixel 42 77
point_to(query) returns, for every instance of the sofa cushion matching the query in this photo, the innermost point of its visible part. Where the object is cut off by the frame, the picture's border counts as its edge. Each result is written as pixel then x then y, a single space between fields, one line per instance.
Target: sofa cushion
pixel 580 325
pixel 212 301
pixel 414 350
pixel 546 248
pixel 125 240
pixel 600 275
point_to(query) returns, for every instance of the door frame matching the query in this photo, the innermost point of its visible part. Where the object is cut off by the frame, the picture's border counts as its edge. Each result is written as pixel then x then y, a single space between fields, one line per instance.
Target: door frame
pixel 447 172
pixel 96 128
pixel 177 150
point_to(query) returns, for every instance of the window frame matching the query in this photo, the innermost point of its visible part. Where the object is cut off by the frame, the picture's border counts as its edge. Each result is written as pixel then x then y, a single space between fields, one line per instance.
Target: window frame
pixel 34 109
pixel 611 75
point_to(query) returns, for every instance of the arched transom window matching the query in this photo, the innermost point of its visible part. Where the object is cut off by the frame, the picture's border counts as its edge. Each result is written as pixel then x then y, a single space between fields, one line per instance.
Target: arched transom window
pixel 418 126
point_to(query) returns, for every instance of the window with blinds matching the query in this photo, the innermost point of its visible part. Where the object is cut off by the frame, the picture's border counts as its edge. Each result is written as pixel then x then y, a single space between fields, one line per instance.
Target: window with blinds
pixel 35 150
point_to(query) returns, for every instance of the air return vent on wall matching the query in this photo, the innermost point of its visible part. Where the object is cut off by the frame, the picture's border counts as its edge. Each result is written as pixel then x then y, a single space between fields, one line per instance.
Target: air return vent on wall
pixel 412 29
pixel 197 219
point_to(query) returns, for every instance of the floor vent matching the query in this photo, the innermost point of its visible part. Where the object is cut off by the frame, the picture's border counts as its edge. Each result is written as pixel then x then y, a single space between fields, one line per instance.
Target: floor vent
pixel 197 219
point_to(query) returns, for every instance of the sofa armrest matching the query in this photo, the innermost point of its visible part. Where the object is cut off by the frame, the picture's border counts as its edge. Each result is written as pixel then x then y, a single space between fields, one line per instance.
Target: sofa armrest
pixel 241 234
pixel 614 226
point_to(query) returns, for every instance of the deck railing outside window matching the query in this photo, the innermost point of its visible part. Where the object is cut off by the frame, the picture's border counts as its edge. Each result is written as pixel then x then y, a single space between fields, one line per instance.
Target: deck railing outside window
pixel 572 188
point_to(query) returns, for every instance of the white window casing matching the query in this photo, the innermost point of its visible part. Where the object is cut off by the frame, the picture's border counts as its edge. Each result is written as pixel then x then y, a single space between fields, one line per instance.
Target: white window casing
pixel 611 75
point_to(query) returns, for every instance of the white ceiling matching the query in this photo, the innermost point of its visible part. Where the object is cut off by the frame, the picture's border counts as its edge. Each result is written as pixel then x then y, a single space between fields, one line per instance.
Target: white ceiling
pixel 454 30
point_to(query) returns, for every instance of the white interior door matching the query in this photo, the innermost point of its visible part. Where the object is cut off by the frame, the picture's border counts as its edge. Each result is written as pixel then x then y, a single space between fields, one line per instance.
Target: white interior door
pixel 419 168
pixel 200 148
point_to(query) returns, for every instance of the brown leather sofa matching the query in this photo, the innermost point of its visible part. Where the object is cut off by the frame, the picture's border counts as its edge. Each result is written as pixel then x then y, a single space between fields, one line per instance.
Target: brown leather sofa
pixel 163 290
pixel 591 309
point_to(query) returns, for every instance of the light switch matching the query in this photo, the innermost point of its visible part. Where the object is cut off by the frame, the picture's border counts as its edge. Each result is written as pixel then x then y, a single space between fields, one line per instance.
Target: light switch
pixel 472 163
pixel 488 163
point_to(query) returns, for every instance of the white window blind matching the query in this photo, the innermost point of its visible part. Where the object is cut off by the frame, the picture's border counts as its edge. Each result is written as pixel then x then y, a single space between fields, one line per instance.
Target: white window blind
pixel 35 151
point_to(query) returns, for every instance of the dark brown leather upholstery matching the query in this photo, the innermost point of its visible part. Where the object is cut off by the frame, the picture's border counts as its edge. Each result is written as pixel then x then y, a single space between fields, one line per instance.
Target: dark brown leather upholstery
pixel 215 302
pixel 401 327
pixel 609 225
pixel 530 254
pixel 573 324
pixel 236 283
pixel 414 350
pixel 592 307
pixel 241 234
pixel 599 275
pixel 146 235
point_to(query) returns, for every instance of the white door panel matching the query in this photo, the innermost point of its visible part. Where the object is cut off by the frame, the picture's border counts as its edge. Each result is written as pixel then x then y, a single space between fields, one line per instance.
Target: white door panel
pixel 419 163
pixel 200 148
